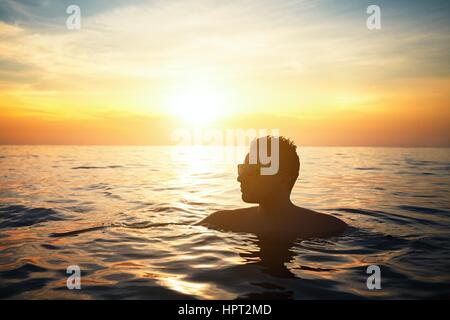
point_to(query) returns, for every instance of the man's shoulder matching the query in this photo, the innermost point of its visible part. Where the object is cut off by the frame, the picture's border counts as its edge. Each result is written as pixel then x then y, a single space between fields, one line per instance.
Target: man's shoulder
pixel 226 216
pixel 323 222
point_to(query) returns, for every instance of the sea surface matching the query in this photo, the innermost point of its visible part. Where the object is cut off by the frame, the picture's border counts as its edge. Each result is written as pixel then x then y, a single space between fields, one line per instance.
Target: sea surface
pixel 124 215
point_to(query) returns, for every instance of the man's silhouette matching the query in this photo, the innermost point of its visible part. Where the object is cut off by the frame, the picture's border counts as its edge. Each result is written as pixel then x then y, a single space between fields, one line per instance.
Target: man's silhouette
pixel 276 218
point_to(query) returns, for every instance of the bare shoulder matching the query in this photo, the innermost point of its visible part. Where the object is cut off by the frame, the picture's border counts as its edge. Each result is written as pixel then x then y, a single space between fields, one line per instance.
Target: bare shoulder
pixel 224 218
pixel 326 223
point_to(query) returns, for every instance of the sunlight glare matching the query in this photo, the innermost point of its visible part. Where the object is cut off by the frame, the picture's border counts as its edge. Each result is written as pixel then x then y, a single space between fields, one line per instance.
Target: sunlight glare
pixel 198 103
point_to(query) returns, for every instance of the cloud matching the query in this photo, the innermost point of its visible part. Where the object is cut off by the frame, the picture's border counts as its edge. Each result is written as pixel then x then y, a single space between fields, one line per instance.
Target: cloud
pixel 162 39
pixel 48 15
pixel 299 58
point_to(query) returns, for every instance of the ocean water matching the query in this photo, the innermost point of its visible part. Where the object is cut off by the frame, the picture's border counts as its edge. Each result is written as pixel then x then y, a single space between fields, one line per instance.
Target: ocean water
pixel 124 215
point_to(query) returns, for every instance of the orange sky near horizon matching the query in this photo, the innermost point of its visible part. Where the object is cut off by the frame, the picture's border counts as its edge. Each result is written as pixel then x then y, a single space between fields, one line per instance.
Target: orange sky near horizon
pixel 135 73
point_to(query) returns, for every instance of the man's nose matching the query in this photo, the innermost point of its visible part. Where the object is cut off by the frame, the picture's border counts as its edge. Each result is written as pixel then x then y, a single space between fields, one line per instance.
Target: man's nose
pixel 239 178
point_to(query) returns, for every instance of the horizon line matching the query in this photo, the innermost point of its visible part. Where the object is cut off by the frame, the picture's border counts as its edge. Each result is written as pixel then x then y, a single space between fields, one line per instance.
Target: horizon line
pixel 217 145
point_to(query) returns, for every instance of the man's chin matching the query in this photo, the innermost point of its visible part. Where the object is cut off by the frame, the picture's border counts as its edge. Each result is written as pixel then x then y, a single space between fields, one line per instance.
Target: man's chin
pixel 246 198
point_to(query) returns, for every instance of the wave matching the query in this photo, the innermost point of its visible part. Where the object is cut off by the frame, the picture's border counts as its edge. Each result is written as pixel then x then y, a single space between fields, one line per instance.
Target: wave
pixel 423 210
pixel 20 216
pixel 97 167
pixel 137 225
pixel 392 217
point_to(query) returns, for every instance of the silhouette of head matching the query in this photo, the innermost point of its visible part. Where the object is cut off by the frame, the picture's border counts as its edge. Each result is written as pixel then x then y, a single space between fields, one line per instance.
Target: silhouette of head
pixel 263 188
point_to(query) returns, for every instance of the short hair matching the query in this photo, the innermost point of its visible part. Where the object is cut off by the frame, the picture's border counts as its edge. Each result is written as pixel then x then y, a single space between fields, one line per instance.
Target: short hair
pixel 289 161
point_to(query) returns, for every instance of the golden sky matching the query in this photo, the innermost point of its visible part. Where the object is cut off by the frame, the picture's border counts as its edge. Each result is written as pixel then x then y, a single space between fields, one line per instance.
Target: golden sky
pixel 138 70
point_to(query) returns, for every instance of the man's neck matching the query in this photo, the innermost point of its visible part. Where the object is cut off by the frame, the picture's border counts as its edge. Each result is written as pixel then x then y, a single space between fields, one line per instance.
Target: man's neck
pixel 276 208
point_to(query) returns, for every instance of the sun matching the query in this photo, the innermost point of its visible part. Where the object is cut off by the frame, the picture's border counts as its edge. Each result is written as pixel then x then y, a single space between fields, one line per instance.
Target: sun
pixel 198 103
